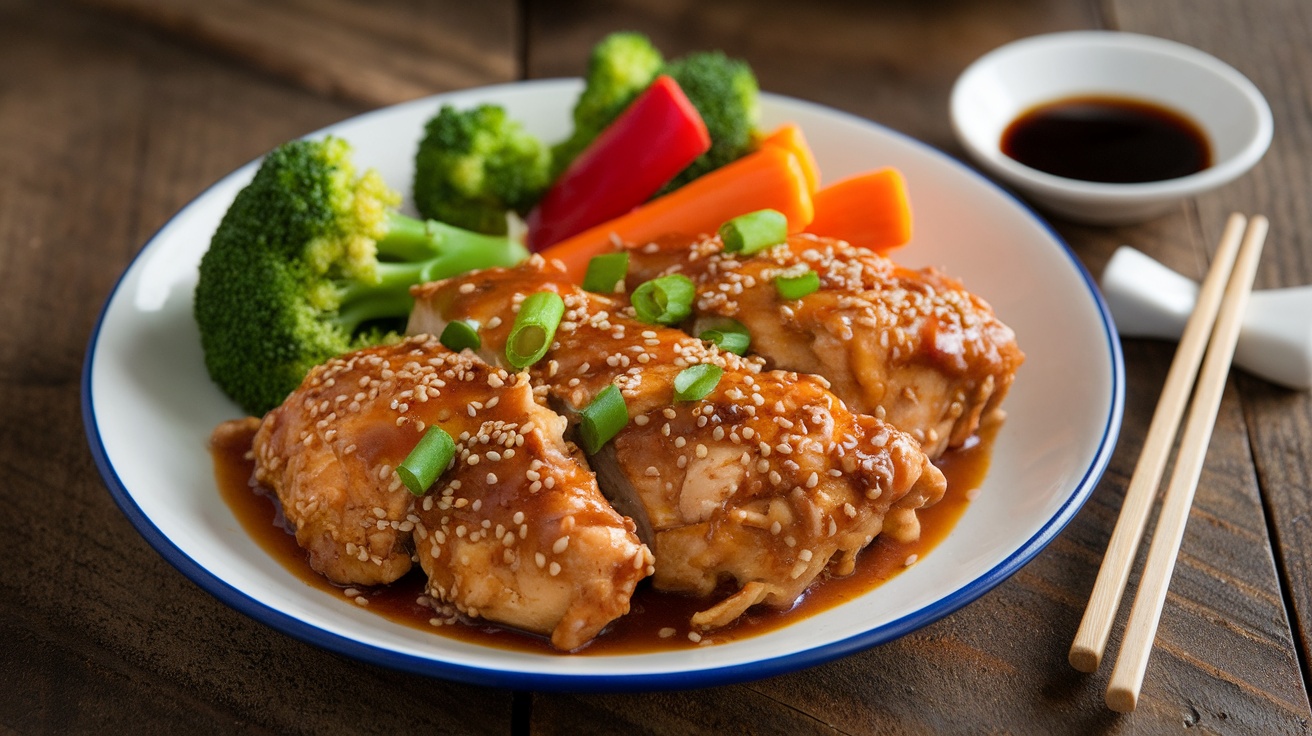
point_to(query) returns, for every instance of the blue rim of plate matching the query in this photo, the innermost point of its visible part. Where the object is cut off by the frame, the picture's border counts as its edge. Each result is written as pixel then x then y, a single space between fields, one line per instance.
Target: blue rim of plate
pixel 675 680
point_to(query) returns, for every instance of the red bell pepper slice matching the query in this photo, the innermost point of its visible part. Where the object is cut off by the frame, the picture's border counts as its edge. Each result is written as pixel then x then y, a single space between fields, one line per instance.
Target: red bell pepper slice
pixel 654 139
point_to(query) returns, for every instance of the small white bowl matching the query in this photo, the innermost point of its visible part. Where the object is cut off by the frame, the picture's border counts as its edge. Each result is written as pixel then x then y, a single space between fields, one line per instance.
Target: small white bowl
pixel 1010 80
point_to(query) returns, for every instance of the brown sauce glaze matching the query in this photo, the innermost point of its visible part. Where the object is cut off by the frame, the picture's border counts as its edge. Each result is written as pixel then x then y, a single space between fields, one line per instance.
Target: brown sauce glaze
pixel 653 613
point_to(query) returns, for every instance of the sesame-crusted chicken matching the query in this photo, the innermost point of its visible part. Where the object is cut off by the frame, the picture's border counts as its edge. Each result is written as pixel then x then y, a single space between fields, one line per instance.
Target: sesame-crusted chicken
pixel 768 481
pixel 910 346
pixel 515 531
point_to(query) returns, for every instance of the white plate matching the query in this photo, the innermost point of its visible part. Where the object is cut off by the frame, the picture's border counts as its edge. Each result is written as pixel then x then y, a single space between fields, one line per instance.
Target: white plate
pixel 149 408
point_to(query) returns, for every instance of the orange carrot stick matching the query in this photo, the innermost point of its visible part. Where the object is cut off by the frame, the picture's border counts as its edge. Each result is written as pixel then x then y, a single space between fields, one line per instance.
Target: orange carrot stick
pixel 869 210
pixel 767 178
pixel 789 137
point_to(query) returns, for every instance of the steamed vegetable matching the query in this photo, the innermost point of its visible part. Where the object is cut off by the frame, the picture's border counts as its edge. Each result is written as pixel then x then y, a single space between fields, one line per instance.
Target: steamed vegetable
pixel 725 92
pixel 870 210
pixel 770 178
pixel 790 138
pixel 655 138
pixel 620 67
pixel 475 165
pixel 311 261
pixel 723 89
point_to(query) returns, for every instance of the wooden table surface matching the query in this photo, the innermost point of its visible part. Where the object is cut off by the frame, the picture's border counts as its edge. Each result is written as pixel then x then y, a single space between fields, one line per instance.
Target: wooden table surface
pixel 115 113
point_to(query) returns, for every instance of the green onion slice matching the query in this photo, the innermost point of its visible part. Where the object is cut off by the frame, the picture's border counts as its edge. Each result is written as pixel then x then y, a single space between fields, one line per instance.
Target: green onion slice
pixel 796 287
pixel 696 381
pixel 460 334
pixel 729 335
pixel 534 328
pixel 666 300
pixel 605 271
pixel 754 231
pixel 603 419
pixel 430 458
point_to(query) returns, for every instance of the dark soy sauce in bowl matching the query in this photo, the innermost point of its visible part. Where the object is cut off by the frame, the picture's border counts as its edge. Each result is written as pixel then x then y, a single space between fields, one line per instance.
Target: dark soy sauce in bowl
pixel 1107 139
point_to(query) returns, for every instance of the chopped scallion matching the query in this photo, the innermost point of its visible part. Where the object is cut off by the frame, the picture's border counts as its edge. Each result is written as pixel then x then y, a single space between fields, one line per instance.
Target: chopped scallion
pixel 796 287
pixel 459 334
pixel 602 419
pixel 429 459
pixel 729 335
pixel 666 300
pixel 696 381
pixel 605 271
pixel 754 231
pixel 534 328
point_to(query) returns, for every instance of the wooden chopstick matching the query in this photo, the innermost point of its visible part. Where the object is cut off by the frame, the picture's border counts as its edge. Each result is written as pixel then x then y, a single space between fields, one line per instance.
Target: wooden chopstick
pixel 1091 638
pixel 1131 663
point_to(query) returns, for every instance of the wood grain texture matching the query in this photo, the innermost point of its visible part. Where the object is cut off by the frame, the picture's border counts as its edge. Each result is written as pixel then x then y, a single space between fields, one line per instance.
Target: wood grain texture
pixel 105 131
pixel 376 53
pixel 1267 42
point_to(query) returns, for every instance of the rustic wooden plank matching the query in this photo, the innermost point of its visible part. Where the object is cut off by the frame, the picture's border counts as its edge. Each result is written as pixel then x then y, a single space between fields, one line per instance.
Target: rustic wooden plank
pixel 105 130
pixel 1266 42
pixel 368 53
pixel 1226 660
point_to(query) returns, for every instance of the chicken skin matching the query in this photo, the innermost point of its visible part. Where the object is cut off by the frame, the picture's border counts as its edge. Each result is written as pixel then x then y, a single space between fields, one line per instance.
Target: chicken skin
pixel 515 531
pixel 912 347
pixel 767 481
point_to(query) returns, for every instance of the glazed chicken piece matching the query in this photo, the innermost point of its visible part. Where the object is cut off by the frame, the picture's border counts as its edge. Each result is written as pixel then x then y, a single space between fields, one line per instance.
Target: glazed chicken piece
pixel 912 347
pixel 514 532
pixel 768 481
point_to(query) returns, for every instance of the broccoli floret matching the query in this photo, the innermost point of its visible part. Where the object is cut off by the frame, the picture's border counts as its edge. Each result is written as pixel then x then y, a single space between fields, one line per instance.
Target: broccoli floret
pixel 725 92
pixel 475 165
pixel 621 66
pixel 311 261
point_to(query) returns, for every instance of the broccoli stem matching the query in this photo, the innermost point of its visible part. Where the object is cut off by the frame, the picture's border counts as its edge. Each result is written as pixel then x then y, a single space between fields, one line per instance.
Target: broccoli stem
pixel 411 239
pixel 413 252
pixel 387 298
